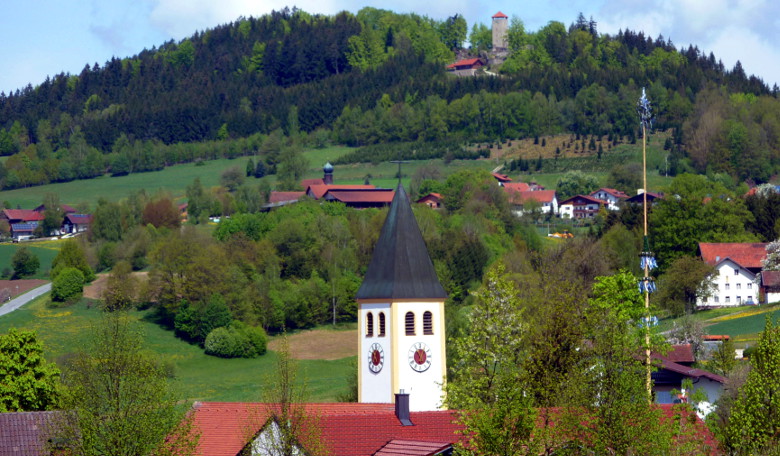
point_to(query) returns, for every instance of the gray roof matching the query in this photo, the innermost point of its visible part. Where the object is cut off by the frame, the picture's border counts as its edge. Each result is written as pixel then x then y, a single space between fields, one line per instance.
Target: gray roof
pixel 400 267
pixel 25 433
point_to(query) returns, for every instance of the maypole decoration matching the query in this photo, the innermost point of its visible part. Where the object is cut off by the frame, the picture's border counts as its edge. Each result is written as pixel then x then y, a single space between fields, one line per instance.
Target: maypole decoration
pixel 647 260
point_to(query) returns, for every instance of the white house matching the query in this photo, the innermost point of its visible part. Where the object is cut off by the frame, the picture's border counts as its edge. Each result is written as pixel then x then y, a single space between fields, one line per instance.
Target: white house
pixel 736 265
pixel 610 196
pixel 770 284
pixel 580 207
pixel 548 202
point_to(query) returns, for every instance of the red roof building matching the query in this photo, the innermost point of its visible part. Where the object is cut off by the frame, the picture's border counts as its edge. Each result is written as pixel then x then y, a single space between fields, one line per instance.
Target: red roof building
pixel 358 198
pixel 346 429
pixel 466 64
pixel 284 197
pixel 500 15
pixel 747 255
pixel 581 207
pixel 319 191
pixel 21 215
pixel 432 200
pixel 546 199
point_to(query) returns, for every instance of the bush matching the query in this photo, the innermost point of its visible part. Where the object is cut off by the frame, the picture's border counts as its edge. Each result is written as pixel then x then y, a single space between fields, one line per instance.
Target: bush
pixel 236 341
pixel 25 263
pixel 68 285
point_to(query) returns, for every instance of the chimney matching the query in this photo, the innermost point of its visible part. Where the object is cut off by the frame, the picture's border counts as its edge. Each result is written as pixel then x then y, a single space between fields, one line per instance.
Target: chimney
pixel 402 408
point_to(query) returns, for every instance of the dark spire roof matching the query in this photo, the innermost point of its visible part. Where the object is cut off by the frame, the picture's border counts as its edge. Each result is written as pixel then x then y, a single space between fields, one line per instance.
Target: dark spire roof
pixel 400 267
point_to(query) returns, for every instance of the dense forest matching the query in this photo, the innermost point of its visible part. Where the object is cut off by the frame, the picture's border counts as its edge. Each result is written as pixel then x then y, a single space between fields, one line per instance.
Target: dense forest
pixel 378 77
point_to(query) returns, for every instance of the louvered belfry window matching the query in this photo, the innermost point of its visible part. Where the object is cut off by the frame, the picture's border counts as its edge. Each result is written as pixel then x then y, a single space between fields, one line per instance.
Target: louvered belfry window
pixel 428 323
pixel 381 324
pixel 369 324
pixel 410 323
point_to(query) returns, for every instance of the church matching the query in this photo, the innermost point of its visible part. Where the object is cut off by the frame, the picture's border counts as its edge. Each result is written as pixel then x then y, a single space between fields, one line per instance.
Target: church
pixel 402 366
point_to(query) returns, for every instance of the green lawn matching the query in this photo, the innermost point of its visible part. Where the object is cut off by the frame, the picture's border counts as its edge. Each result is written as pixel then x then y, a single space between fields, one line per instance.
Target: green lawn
pixel 200 377
pixel 45 251
pixel 745 328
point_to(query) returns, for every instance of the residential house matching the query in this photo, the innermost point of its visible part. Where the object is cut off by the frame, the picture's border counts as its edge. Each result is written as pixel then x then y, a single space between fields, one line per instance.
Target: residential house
pixel 22 222
pixel 432 200
pixel 611 197
pixel 737 266
pixel 466 67
pixel 284 198
pixel 546 199
pixel 76 223
pixel 770 285
pixel 65 209
pixel 639 198
pixel 580 207
pixel 676 366
pixel 502 179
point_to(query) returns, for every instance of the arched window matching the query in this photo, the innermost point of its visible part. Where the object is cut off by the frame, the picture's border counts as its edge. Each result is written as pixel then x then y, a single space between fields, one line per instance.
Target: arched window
pixel 369 324
pixel 409 323
pixel 381 324
pixel 428 323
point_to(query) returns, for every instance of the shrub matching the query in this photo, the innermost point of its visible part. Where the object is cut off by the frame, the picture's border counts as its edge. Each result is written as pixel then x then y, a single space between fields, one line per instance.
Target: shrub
pixel 68 285
pixel 25 263
pixel 236 341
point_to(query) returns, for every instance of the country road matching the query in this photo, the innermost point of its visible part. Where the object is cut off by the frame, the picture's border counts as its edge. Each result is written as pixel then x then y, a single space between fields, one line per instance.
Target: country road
pixel 23 299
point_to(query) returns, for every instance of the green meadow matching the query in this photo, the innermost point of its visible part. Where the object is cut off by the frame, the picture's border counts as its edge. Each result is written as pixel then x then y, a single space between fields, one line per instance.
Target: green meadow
pixel 45 251
pixel 199 377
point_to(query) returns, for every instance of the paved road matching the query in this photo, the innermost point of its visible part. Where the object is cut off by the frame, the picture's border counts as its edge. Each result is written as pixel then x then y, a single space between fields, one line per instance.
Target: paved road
pixel 23 299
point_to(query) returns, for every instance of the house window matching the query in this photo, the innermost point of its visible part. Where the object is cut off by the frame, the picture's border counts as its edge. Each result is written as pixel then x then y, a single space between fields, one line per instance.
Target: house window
pixel 727 286
pixel 736 272
pixel 369 324
pixel 739 286
pixel 739 299
pixel 750 285
pixel 381 324
pixel 409 323
pixel 728 299
pixel 428 323
pixel 717 299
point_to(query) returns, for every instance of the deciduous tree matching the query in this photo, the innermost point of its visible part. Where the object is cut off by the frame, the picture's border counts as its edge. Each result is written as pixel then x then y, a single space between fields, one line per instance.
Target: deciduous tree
pixel 27 381
pixel 24 262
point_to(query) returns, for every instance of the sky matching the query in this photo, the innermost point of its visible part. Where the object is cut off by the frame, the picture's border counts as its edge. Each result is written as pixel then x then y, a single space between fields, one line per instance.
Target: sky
pixel 40 38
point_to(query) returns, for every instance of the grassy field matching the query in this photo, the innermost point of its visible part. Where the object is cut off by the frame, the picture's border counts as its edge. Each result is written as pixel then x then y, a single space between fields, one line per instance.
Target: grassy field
pixel 45 251
pixel 200 377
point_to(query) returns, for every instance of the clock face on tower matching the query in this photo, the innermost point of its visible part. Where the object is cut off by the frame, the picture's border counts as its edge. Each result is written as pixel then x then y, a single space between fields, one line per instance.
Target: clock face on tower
pixel 420 357
pixel 376 358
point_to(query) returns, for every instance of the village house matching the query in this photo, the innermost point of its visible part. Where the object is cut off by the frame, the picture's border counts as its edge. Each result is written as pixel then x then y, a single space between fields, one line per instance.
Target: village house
pixel 76 223
pixel 770 285
pixel 466 67
pixel 736 268
pixel 676 366
pixel 580 207
pixel 21 222
pixel 639 198
pixel 502 179
pixel 546 201
pixel 432 200
pixel 611 197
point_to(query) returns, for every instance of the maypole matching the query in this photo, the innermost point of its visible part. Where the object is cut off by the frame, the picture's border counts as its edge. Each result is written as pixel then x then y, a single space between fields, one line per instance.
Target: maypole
pixel 647 260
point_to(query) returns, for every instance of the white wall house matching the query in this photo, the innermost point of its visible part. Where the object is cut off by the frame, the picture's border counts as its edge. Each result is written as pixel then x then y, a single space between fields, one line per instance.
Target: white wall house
pixel 611 196
pixel 580 207
pixel 547 200
pixel 737 266
pixel 733 286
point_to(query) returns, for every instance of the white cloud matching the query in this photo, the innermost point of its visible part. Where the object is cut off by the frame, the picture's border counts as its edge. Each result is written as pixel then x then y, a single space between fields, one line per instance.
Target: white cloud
pixel 745 30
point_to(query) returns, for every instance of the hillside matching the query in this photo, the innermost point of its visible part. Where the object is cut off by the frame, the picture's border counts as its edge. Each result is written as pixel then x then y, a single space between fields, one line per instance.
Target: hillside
pixel 376 77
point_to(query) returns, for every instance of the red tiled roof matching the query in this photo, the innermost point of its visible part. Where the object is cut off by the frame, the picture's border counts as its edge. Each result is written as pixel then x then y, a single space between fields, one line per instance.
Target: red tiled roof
pixel 542 196
pixel 318 191
pixel 748 255
pixel 690 371
pixel 611 191
pixel 25 215
pixel 347 429
pixel 280 197
pixel 502 177
pixel 679 354
pixel 466 63
pixel 516 187
pixel 430 196
pixel 499 14
pixel 79 219
pixel 376 195
pixel 770 279
pixel 412 448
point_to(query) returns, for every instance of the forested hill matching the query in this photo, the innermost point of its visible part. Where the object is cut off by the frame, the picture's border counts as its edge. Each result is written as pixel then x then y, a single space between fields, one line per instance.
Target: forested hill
pixel 359 79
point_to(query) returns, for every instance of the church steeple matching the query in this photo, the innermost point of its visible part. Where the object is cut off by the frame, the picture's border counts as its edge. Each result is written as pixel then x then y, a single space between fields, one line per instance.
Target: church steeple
pixel 400 267
pixel 401 317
